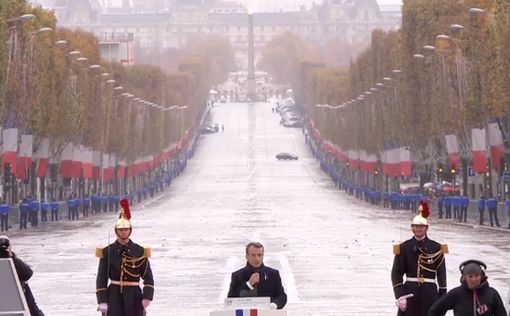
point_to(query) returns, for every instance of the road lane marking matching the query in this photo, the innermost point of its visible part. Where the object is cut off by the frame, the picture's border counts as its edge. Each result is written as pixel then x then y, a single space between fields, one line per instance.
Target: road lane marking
pixel 253 170
pixel 229 267
pixel 288 279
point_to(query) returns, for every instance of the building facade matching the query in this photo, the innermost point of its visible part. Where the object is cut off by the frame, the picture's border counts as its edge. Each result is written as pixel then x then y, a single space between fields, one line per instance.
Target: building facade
pixel 161 24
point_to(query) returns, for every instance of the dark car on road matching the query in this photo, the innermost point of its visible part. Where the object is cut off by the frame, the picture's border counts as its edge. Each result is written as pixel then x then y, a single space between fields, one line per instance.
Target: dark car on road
pixel 208 130
pixel 286 156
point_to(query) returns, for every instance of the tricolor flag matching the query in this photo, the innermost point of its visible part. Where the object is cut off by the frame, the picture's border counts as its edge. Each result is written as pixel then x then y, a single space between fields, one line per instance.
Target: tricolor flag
pixel 43 153
pixel 247 312
pixel 112 164
pixel 478 144
pixel 353 158
pixel 368 162
pixel 496 143
pixel 405 161
pixel 391 162
pixel 384 159
pixel 96 165
pixel 452 147
pixel 78 158
pixel 334 150
pixel 88 164
pixel 122 169
pixel 106 167
pixel 10 147
pixel 66 161
pixel 25 156
pixel 397 162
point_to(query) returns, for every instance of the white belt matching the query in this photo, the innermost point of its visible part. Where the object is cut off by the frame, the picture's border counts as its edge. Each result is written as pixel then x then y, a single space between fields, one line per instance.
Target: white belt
pixel 420 280
pixel 124 283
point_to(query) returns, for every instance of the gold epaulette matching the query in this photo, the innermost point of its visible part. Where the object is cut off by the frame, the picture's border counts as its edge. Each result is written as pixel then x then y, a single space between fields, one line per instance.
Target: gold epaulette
pixel 99 252
pixel 444 249
pixel 147 252
pixel 396 249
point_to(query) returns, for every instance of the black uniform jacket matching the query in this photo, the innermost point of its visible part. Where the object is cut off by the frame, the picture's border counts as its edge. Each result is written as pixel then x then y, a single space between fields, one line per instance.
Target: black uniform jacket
pixel 123 263
pixel 486 300
pixel 24 274
pixel 270 284
pixel 418 259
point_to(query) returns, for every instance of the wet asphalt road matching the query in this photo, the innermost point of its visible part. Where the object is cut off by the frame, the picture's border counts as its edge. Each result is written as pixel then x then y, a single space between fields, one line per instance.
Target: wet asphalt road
pixel 334 253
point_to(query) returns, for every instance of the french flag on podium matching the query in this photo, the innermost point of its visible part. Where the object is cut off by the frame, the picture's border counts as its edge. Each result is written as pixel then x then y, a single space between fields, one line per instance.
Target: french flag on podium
pixel 247 312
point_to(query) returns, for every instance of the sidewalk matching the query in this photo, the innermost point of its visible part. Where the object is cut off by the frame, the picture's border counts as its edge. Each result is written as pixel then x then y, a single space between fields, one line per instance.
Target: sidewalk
pixel 488 227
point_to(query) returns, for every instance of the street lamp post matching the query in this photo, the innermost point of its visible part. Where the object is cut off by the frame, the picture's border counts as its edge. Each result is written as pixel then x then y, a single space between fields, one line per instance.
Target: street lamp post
pixel 453 173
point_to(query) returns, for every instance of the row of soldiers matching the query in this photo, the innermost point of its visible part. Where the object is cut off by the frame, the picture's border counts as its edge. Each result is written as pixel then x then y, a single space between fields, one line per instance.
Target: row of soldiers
pixel 31 211
pixel 449 206
pixel 460 204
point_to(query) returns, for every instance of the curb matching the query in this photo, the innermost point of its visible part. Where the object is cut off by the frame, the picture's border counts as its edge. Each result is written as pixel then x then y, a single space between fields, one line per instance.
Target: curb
pixel 476 226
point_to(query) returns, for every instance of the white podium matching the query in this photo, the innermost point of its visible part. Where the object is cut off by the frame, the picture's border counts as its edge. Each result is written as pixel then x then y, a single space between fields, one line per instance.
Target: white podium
pixel 250 312
pixel 248 306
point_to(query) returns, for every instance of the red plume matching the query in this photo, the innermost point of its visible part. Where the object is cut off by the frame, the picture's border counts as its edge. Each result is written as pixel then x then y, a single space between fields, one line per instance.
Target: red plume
pixel 425 211
pixel 125 205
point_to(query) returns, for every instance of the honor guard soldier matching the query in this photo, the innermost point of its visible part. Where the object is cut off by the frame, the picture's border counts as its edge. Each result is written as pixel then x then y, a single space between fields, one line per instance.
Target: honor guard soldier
pixel 421 260
pixel 122 265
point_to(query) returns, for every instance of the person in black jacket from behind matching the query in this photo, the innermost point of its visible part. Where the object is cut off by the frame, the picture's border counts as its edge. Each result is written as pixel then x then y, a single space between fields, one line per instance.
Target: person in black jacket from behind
pixel 473 297
pixel 24 274
pixel 256 279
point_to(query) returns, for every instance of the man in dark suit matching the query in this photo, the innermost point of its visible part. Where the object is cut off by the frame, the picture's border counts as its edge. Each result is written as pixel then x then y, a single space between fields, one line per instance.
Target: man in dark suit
pixel 256 279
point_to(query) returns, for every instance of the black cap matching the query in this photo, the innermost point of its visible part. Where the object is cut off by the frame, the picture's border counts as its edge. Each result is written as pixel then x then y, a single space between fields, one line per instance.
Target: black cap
pixel 472 268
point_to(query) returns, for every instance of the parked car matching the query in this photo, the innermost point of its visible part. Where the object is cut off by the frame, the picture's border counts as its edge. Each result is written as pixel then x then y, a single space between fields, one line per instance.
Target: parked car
pixel 293 123
pixel 208 130
pixel 286 156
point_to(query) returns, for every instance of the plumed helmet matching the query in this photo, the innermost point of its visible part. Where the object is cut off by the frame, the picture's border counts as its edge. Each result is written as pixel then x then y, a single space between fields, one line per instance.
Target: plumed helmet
pixel 423 213
pixel 124 215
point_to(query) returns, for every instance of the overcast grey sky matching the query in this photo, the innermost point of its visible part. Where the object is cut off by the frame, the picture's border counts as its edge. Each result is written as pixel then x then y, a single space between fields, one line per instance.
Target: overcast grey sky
pixel 277 5
pixel 389 1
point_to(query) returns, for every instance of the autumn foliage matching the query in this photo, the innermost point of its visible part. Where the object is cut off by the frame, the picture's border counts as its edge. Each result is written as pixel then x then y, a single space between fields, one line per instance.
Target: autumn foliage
pixel 413 86
pixel 53 94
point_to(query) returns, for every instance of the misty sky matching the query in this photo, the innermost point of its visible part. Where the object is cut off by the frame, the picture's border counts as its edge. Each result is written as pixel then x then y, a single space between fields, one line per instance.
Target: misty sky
pixel 389 1
pixel 277 5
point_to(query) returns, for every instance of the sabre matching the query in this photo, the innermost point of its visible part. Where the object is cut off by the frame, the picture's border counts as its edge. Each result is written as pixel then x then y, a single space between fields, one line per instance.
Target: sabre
pixel 508 301
pixel 108 269
pixel 403 298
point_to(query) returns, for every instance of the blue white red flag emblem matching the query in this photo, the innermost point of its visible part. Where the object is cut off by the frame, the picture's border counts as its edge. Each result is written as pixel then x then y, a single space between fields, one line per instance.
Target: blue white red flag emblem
pixel 247 312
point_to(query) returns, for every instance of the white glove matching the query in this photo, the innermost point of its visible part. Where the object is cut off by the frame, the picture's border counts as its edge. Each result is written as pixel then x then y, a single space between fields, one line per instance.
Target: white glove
pixel 402 304
pixel 103 307
pixel 145 303
pixel 273 306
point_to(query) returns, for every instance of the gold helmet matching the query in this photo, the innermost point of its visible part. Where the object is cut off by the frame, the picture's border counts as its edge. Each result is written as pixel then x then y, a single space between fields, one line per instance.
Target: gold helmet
pixel 423 213
pixel 124 216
